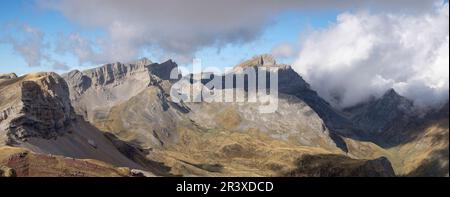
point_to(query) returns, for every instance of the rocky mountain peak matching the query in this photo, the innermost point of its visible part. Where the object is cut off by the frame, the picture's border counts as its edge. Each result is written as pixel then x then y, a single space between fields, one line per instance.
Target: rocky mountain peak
pixel 163 70
pixel 391 94
pixel 391 99
pixel 383 117
pixel 264 60
pixel 142 62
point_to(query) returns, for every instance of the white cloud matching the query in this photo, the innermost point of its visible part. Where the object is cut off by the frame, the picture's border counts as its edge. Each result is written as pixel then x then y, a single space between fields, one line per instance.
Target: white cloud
pixel 283 50
pixel 28 42
pixel 76 45
pixel 365 54
pixel 59 66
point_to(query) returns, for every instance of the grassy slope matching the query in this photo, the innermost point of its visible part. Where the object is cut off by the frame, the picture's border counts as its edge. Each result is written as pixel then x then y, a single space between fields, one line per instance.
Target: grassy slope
pixel 411 158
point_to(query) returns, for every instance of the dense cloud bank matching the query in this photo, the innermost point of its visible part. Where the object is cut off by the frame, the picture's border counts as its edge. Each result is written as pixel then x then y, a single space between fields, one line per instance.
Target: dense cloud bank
pixel 364 54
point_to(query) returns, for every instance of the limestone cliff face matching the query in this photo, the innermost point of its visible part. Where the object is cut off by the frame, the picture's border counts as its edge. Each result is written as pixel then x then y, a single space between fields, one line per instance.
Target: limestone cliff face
pixel 38 106
pixel 93 92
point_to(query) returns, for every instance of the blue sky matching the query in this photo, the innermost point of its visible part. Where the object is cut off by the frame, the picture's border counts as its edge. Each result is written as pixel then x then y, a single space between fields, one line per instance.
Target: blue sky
pixel 285 27
pixel 333 45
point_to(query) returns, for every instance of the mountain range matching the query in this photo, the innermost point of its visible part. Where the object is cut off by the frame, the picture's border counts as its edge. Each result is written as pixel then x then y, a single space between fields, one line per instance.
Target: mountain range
pixel 120 120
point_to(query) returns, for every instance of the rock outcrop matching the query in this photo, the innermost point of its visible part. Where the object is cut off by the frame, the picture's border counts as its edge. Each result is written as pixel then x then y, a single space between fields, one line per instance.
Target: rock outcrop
pixel 8 76
pixel 7 172
pixel 41 107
